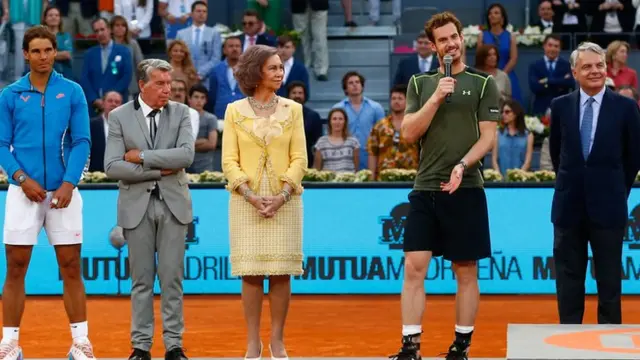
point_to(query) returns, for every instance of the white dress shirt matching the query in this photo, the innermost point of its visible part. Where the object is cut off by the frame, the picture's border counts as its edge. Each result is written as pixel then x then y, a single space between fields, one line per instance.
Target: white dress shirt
pixel 596 110
pixel 287 69
pixel 193 114
pixel 178 8
pixel 105 123
pixel 146 110
pixel 425 63
pixel 137 16
pixel 194 37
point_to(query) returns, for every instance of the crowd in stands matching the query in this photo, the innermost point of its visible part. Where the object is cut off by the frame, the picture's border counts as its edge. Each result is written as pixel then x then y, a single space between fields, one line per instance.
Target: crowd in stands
pixel 357 133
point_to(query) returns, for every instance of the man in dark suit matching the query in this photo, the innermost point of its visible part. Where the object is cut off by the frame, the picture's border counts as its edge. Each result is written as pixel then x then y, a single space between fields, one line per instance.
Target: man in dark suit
pixel 423 62
pixel 297 92
pixel 100 130
pixel 550 76
pixel 545 14
pixel 251 26
pixel 595 151
pixel 294 70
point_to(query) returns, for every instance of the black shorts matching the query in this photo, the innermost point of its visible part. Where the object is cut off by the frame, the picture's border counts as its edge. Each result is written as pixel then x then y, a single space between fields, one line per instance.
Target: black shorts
pixel 454 226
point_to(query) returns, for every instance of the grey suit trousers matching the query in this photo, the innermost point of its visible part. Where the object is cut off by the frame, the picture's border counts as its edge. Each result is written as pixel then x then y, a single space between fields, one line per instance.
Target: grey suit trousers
pixel 159 231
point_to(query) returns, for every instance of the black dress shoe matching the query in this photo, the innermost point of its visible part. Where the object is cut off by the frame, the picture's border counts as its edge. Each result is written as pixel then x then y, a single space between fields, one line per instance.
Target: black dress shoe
pixel 175 354
pixel 138 354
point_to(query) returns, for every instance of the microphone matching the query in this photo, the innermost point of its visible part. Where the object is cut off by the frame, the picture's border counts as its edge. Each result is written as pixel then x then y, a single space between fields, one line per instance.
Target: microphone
pixel 447 60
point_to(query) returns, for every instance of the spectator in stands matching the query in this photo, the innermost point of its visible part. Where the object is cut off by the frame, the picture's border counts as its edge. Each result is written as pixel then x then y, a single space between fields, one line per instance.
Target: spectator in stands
pixel 138 14
pixel 487 60
pixel 549 76
pixel 374 10
pixel 251 24
pixel 347 7
pixel 180 59
pixel 22 15
pixel 207 136
pixel 497 34
pixel 387 147
pixel 612 20
pixel 363 112
pixel 179 94
pixel 106 67
pixel 513 147
pixel 617 69
pixel 223 87
pixel 337 151
pixel 79 16
pixel 629 92
pixel 294 70
pixel 310 21
pixel 270 11
pixel 175 15
pixel 424 62
pixel 313 128
pixel 545 14
pixel 64 60
pixel 204 42
pixel 569 17
pixel 100 130
pixel 121 35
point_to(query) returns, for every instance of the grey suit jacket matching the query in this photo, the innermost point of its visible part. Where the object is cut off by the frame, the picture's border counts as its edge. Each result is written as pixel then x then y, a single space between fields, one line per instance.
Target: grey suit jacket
pixel 173 149
pixel 208 54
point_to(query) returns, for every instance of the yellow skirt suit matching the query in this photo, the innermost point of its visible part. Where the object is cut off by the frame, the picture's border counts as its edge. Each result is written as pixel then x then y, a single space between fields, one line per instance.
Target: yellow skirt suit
pixel 265 153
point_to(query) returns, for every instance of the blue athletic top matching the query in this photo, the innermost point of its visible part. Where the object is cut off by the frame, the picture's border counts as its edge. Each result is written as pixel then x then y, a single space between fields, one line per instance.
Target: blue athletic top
pixel 48 132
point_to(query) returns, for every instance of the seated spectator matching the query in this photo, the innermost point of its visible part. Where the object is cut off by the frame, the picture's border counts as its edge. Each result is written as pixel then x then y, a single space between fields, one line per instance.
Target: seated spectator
pixel 487 59
pixel 629 92
pixel 207 137
pixel 387 147
pixel 545 12
pixel 205 42
pixel 498 35
pixel 179 94
pixel 617 69
pixel 424 62
pixel 99 126
pixel 270 11
pixel 513 147
pixel 138 14
pixel 64 59
pixel 107 66
pixel 313 128
pixel 337 151
pixel 294 70
pixel 363 112
pixel 81 13
pixel 121 35
pixel 175 15
pixel 180 59
pixel 223 87
pixel 251 26
pixel 550 76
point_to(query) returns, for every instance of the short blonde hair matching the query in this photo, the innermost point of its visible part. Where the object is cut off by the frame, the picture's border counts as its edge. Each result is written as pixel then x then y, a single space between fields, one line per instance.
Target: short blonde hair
pixel 613 48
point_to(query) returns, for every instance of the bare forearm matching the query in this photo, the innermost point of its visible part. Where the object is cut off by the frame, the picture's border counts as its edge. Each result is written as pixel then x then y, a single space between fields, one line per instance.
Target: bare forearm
pixel 479 150
pixel 204 145
pixel 416 124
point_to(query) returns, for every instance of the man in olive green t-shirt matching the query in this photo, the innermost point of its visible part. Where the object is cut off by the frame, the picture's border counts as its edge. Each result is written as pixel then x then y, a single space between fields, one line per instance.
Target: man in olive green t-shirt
pixel 454 120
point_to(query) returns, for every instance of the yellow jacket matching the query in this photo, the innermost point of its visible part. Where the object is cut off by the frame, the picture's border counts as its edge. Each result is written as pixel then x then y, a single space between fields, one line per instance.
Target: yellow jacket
pixel 250 142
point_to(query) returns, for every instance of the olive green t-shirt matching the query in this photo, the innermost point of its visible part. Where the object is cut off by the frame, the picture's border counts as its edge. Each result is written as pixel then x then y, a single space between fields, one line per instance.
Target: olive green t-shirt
pixel 454 128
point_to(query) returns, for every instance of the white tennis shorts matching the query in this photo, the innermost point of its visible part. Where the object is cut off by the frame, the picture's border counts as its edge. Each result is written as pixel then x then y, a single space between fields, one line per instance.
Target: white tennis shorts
pixel 24 219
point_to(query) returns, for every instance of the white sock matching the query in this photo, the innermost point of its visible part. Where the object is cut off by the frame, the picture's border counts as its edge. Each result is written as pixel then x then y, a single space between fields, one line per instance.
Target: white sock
pixel 411 330
pixel 464 329
pixel 80 332
pixel 10 334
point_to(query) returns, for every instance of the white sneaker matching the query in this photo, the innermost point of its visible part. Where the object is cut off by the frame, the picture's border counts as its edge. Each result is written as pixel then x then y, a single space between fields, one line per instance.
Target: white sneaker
pixel 81 351
pixel 10 351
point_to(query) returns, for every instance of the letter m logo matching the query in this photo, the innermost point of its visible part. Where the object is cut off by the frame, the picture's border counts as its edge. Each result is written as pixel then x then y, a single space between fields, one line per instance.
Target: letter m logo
pixel 392 232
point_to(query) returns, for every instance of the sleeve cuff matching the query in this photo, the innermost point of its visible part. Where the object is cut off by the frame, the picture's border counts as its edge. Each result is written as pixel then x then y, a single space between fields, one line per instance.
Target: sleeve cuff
pixel 297 188
pixel 233 186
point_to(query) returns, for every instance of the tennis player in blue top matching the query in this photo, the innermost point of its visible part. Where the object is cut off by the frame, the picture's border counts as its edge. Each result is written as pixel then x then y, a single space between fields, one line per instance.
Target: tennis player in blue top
pixel 44 149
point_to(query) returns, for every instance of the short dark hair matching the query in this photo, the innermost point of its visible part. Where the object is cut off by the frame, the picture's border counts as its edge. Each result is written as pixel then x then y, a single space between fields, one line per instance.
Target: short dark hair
pixel 503 11
pixel 399 89
pixel 552 37
pixel 248 72
pixel 95 21
pixel 439 20
pixel 294 84
pixel 38 32
pixel 252 12
pixel 199 88
pixel 196 3
pixel 284 39
pixel 422 35
pixel 350 74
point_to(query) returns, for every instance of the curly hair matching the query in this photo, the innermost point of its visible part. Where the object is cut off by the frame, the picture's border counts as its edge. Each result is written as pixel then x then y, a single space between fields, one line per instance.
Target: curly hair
pixel 248 72
pixel 440 20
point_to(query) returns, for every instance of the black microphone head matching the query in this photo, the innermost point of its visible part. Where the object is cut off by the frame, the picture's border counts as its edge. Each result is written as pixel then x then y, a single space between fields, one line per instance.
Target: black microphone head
pixel 447 59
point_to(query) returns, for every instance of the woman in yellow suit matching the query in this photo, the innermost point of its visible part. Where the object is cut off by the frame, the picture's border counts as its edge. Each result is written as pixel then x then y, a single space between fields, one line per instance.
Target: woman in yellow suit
pixel 264 158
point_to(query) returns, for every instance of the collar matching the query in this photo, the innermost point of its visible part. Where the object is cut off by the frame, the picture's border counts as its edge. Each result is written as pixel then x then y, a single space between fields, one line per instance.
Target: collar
pixel 146 109
pixel 289 62
pixel 109 45
pixel 546 59
pixel 597 97
pixel 428 58
pixel 247 36
pixel 364 100
pixel 201 27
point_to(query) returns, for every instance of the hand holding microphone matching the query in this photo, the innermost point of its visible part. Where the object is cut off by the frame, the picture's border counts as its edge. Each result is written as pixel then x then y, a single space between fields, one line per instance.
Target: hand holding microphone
pixel 447 83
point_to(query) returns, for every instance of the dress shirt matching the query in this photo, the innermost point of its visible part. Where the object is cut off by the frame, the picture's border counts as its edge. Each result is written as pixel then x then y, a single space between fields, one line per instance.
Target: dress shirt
pixel 287 69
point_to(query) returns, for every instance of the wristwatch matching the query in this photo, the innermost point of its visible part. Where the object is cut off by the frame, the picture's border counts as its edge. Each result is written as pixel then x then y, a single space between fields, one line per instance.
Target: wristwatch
pixel 141 156
pixel 22 178
pixel 464 164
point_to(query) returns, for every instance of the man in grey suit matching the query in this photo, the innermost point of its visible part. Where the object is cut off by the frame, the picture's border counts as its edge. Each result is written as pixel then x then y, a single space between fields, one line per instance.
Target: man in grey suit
pixel 149 145
pixel 205 42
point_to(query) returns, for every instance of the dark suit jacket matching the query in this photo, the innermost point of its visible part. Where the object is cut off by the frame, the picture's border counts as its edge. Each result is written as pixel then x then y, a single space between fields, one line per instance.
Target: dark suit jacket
pixel 300 6
pixel 116 77
pixel 557 83
pixel 88 8
pixel 596 189
pixel 298 73
pixel 262 39
pixel 409 67
pixel 626 17
pixel 98 144
pixel 312 131
pixel 558 15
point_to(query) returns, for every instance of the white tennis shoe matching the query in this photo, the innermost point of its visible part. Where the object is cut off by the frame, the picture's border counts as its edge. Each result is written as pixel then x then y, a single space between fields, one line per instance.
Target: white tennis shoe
pixel 81 351
pixel 10 351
